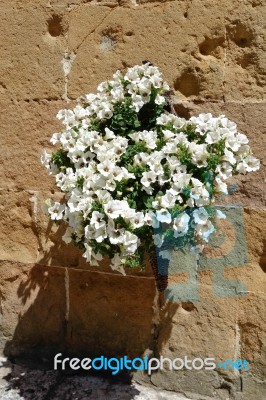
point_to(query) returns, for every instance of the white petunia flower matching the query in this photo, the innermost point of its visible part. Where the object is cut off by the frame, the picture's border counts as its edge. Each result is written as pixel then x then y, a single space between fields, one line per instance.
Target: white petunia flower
pixel 181 225
pixel 90 255
pixel 117 264
pixel 130 242
pixel 106 167
pixel 200 216
pixel 56 211
pixel 116 208
pixel 151 220
pixel 148 178
pixel 248 164
pixel 221 186
pixel 163 215
pixel 204 231
pixel 229 157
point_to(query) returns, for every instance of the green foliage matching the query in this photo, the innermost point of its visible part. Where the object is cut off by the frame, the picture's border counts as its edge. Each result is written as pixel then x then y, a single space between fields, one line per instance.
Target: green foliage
pixel 148 115
pixel 80 182
pixel 97 206
pixel 60 159
pixel 133 149
pixel 160 144
pixel 125 119
pixel 120 223
pixel 96 125
pixel 213 161
pixel 137 260
pixel 192 135
pixel 184 155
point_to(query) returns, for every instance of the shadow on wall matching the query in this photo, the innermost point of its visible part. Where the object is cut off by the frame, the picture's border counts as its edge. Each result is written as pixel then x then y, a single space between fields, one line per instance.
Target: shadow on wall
pixel 80 312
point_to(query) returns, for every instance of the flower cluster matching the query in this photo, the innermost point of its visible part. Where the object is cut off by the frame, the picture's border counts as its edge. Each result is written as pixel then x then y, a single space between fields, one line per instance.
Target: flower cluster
pixel 128 167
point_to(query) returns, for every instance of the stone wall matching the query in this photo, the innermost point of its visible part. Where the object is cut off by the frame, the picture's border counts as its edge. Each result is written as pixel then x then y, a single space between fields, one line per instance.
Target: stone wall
pixel 213 53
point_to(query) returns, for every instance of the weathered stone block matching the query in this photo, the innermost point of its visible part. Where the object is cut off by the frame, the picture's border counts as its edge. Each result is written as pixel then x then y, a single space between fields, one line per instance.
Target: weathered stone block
pixel 26 129
pixel 18 234
pixel 114 39
pixel 110 314
pixel 30 65
pixel 32 308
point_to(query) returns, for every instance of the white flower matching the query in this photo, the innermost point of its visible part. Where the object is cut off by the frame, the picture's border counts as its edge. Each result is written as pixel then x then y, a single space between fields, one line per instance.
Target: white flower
pixel 234 142
pixel 224 170
pixel 169 199
pixel 115 208
pixel 160 99
pixel 221 186
pixel 88 252
pixel 100 234
pixel 141 159
pixel 203 122
pixel 200 216
pixel 164 119
pixel 229 156
pixel 180 180
pixel 137 101
pixel 168 134
pixel 55 138
pixel 116 235
pixel 97 220
pixel 181 225
pixel 163 215
pixel 117 264
pixel 199 154
pixel 149 137
pixel 137 220
pixel 204 231
pixel 148 178
pixel 248 164
pixel 109 134
pixel 106 167
pixel 130 242
pixel 90 256
pixel 56 211
pixel 213 136
pixel 151 220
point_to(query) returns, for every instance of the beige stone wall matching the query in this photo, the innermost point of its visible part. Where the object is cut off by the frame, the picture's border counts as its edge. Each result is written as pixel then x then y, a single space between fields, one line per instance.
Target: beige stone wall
pixel 214 55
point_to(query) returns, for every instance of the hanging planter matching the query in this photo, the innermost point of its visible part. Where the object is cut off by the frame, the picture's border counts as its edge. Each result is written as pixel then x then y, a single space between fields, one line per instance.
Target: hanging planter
pixel 137 178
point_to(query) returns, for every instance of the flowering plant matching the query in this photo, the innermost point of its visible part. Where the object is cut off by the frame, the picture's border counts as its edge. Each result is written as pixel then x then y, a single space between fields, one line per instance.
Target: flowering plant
pixel 127 165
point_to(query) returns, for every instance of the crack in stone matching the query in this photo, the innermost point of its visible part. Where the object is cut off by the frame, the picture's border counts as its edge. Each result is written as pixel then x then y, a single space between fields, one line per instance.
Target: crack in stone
pixel 224 62
pixel 92 31
pixel 67 62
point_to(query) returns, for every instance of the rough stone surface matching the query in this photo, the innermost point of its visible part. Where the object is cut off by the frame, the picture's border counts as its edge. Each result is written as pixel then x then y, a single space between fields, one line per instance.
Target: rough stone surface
pixel 26 128
pixel 104 309
pixel 52 51
pixel 33 312
pixel 30 55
